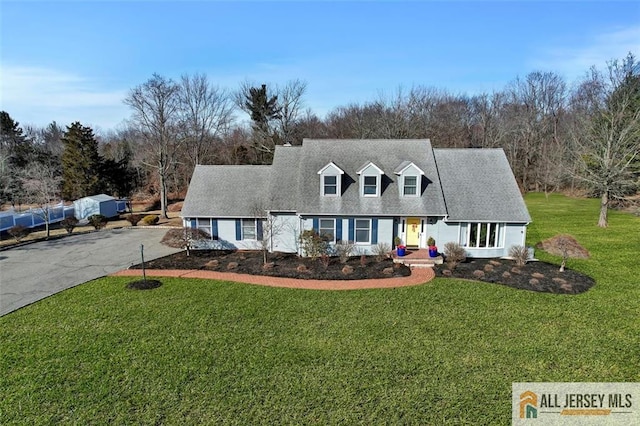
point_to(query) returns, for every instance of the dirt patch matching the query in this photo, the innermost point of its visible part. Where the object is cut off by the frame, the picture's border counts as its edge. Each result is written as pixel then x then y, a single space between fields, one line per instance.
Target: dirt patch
pixel 144 285
pixel 534 276
pixel 287 265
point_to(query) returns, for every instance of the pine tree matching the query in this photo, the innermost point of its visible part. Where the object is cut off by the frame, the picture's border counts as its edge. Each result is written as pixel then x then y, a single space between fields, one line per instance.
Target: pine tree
pixel 263 110
pixel 81 163
pixel 15 154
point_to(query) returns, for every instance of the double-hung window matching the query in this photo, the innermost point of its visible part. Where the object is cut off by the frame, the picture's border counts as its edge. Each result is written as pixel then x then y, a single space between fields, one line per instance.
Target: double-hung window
pixel 363 231
pixel 370 186
pixel 327 228
pixel 410 185
pixel 249 229
pixel 330 185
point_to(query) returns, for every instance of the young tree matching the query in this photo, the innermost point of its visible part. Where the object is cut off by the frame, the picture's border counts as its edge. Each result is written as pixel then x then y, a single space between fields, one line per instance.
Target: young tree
pixel 81 163
pixel 42 187
pixel 271 227
pixel 155 106
pixel 607 134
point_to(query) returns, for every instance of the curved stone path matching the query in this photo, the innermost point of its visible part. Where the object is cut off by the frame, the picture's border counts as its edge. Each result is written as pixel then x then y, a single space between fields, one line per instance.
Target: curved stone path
pixel 418 276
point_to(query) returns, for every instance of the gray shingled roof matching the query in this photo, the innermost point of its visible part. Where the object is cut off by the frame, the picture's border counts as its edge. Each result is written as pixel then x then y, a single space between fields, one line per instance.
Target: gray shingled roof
pixel 350 155
pixel 226 191
pixel 479 185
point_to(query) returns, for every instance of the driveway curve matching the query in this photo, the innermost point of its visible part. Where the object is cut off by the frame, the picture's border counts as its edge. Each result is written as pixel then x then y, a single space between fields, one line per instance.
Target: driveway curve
pixel 34 271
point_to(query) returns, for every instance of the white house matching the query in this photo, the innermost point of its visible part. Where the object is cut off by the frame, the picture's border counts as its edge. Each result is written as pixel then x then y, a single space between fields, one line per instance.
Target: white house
pixel 366 191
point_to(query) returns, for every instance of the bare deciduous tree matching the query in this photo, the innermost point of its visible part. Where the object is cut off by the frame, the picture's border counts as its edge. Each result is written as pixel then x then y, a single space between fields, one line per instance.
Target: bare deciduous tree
pixel 42 187
pixel 155 107
pixel 206 114
pixel 607 136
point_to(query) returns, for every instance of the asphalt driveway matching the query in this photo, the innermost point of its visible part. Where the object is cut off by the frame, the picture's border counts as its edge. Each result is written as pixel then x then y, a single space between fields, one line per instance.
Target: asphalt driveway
pixel 34 271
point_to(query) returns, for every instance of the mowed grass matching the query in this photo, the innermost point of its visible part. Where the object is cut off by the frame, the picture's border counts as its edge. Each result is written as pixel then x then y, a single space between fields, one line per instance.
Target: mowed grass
pixel 207 352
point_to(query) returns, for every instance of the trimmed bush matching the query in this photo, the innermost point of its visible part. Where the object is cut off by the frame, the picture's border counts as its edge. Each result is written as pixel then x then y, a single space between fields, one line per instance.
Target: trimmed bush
pixel 381 251
pixel 454 253
pixel 520 254
pixel 18 232
pixel 69 224
pixel 313 244
pixel 133 219
pixel 98 221
pixel 343 249
pixel 150 220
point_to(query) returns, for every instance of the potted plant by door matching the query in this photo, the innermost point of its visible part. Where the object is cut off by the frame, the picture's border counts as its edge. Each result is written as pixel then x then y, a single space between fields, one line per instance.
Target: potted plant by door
pixel 433 250
pixel 401 249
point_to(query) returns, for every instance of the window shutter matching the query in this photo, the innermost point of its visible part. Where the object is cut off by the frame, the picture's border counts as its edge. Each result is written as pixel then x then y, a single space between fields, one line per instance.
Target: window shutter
pixel 214 229
pixel 338 229
pixel 193 224
pixel 316 225
pixel 238 229
pixel 374 231
pixel 352 230
pixel 259 229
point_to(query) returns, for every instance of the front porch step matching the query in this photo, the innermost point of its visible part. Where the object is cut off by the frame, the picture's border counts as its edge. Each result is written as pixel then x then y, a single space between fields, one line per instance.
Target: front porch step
pixel 419 262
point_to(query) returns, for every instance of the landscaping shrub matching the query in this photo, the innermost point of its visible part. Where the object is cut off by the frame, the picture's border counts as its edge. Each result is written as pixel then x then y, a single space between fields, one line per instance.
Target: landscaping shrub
pixel 343 249
pixel 313 244
pixel 133 219
pixel 98 221
pixel 520 254
pixel 69 224
pixel 18 232
pixel 185 238
pixel 454 253
pixel 150 219
pixel 381 251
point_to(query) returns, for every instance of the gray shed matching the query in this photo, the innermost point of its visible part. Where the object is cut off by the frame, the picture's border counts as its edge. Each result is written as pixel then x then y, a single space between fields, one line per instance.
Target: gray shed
pixel 102 204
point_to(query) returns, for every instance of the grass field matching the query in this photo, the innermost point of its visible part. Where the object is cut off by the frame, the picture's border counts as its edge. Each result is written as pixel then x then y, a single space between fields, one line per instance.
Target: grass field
pixel 206 352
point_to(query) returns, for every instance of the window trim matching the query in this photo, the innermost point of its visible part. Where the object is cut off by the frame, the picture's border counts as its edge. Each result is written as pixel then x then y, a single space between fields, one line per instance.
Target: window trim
pixel 320 227
pixel 404 186
pixel 498 239
pixel 255 229
pixel 336 185
pixel 365 185
pixel 355 231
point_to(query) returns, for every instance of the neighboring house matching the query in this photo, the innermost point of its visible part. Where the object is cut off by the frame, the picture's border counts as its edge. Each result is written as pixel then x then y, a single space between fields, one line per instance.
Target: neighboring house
pixel 366 191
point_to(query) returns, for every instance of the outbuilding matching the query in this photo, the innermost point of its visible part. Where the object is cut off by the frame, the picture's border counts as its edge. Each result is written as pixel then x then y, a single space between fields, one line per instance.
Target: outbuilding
pixel 102 204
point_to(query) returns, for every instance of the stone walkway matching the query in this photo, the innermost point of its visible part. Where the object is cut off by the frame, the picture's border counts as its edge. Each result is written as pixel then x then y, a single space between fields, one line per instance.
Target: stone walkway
pixel 418 276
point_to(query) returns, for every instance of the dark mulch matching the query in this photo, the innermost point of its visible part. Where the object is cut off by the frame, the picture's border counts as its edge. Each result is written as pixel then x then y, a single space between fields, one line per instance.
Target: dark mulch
pixel 144 284
pixel 534 276
pixel 280 265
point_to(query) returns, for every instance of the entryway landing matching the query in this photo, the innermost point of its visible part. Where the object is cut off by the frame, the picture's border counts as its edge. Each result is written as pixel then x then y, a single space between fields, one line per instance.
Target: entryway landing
pixel 418 258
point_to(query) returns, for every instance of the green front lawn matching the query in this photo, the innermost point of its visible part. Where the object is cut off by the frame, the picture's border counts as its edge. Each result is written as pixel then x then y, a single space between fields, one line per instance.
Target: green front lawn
pixel 206 352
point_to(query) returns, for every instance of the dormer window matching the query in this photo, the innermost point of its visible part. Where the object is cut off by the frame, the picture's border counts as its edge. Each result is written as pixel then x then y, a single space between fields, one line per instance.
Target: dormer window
pixel 410 185
pixel 330 180
pixel 409 179
pixel 370 180
pixel 370 186
pixel 330 186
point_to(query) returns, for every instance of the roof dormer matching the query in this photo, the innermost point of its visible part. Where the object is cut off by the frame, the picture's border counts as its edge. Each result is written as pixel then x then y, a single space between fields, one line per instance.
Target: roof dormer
pixel 370 180
pixel 330 180
pixel 409 180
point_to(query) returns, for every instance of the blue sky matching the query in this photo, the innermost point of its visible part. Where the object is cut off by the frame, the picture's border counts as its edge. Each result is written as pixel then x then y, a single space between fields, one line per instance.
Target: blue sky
pixel 75 61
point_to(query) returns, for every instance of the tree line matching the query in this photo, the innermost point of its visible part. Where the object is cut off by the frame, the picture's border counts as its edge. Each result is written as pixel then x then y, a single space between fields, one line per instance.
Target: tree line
pixel 557 136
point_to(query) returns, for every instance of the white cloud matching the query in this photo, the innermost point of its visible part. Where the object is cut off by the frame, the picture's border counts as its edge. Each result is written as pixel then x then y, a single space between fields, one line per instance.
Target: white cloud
pixel 573 62
pixel 33 95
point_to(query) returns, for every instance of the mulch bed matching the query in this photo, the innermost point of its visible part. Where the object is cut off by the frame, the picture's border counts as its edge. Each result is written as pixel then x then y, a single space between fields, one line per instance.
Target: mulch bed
pixel 534 276
pixel 287 265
